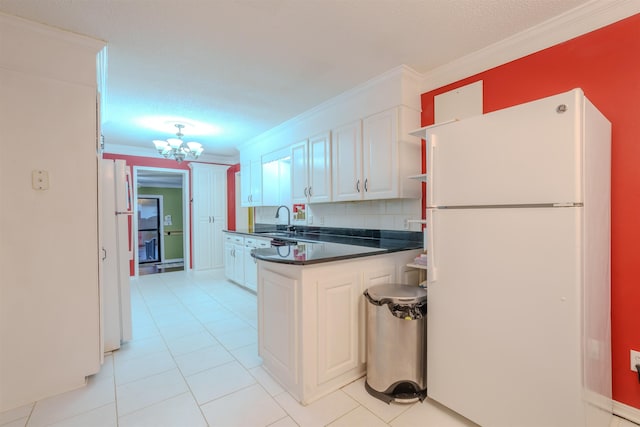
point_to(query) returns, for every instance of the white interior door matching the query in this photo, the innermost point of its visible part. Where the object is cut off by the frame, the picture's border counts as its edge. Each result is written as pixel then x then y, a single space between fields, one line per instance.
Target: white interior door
pixel 528 154
pixel 504 325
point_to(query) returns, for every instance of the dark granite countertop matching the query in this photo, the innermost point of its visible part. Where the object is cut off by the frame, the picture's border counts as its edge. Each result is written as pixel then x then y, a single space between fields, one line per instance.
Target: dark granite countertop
pixel 324 244
pixel 313 253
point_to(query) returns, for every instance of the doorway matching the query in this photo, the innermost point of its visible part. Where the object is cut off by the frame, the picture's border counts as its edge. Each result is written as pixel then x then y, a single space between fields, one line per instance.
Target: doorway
pixel 150 230
pixel 161 220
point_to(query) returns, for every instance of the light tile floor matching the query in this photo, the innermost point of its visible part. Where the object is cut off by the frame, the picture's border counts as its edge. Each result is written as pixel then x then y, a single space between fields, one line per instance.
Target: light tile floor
pixel 194 362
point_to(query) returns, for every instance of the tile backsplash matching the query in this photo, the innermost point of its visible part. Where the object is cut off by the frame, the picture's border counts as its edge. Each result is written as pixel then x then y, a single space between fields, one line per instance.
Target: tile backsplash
pixel 373 214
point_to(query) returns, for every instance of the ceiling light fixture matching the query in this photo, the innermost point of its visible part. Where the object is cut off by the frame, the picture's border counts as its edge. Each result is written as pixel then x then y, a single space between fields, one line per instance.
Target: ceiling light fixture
pixel 176 148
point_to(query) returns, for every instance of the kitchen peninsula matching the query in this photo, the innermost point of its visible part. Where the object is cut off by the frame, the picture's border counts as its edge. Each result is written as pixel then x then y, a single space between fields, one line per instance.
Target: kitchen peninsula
pixel 311 312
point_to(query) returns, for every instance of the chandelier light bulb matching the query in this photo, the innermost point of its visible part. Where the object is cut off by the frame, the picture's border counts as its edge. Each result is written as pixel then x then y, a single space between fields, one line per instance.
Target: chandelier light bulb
pixel 177 149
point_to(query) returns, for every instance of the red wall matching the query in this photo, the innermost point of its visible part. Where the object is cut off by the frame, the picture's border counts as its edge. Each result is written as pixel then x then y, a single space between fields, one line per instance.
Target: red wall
pixel 172 164
pixel 606 65
pixel 231 196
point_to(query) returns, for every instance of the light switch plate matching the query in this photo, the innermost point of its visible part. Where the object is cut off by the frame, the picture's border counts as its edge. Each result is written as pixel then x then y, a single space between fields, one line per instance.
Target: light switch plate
pixel 40 180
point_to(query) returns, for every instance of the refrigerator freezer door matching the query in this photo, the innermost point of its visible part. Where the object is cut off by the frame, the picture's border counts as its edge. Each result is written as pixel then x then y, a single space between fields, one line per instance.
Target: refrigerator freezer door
pixel 504 327
pixel 528 154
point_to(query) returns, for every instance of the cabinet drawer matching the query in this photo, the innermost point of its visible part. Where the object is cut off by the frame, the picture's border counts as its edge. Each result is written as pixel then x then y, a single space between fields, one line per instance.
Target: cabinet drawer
pixel 233 238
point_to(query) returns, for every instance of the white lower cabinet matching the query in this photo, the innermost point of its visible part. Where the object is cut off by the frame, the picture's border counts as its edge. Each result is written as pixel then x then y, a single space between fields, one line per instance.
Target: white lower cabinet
pixel 239 266
pixel 233 254
pixel 278 323
pixel 311 320
pixel 337 316
pixel 250 264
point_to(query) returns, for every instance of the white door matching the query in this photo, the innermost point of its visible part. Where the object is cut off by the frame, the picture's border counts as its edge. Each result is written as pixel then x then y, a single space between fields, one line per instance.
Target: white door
pixel 320 168
pixel 299 186
pixel 256 182
pixel 528 154
pixel 202 218
pixel 505 315
pixel 245 184
pixel 338 302
pixel 229 262
pixel 346 155
pixel 209 215
pixel 380 155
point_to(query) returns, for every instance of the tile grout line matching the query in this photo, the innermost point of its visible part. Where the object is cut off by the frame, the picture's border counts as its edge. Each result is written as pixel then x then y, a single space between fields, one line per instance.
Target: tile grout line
pixel 235 359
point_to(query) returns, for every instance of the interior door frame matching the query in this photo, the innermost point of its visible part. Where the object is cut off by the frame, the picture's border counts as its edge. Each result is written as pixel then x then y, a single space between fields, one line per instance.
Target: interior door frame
pixel 186 241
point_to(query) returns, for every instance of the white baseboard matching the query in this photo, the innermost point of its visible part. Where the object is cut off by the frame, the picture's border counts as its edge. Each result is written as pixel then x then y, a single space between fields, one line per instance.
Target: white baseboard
pixel 172 260
pixel 627 412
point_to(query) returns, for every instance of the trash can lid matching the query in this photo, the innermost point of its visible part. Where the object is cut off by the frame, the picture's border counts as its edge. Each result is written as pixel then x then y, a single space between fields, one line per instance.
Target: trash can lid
pixel 397 293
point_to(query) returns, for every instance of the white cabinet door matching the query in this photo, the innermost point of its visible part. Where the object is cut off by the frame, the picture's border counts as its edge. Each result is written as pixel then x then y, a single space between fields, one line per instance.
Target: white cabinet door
pixel 209 187
pixel 277 325
pixel 250 270
pixel 251 183
pixel 276 174
pixel 338 325
pixel 270 174
pixel 256 183
pixel 250 263
pixel 346 162
pixel 245 184
pixel 202 217
pixel 319 168
pixel 380 151
pixel 238 261
pixel 299 162
pixel 229 264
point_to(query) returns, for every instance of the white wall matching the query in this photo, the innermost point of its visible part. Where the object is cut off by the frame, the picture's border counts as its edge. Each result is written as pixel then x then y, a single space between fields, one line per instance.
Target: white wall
pixel 49 296
pixel 374 214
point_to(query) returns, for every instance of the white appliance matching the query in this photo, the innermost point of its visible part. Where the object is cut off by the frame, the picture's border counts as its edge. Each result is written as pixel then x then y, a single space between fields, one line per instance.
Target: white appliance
pixel 116 210
pixel 518 232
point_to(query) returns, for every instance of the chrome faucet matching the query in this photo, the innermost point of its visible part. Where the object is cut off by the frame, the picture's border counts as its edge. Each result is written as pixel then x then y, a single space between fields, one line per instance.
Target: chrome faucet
pixel 288 215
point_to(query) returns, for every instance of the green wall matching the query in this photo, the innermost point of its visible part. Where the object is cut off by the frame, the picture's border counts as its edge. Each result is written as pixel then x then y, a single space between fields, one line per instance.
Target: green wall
pixel 172 205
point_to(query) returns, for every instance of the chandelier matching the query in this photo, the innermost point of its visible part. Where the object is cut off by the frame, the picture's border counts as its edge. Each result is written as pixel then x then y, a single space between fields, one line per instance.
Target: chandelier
pixel 176 148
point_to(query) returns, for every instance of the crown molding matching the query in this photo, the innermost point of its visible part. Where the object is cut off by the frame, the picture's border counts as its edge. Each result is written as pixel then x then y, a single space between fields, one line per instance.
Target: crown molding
pixel 339 99
pixel 576 22
pixel 52 32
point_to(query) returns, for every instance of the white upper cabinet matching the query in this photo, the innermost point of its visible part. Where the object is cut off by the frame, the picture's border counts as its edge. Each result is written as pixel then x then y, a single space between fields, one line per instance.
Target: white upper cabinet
pixel 346 155
pixel 355 146
pixel 311 170
pixel 276 175
pixel 380 155
pixel 299 162
pixel 374 163
pixel 251 183
pixel 320 168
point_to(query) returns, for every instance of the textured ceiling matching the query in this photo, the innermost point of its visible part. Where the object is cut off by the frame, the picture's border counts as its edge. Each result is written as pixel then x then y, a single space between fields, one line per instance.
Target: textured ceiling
pixel 245 66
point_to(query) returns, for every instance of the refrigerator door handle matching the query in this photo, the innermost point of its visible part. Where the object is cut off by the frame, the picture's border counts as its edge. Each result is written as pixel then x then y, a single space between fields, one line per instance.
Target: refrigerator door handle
pixel 431 152
pixel 431 265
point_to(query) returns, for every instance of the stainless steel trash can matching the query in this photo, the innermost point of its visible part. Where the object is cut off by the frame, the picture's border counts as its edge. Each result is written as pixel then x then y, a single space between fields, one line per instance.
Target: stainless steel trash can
pixel 396 342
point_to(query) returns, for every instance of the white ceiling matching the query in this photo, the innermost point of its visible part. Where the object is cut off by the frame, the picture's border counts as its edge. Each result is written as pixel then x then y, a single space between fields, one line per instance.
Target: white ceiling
pixel 245 66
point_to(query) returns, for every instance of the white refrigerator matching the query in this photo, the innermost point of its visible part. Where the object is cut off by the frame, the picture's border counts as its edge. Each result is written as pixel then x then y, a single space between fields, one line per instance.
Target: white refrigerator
pixel 115 292
pixel 518 232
